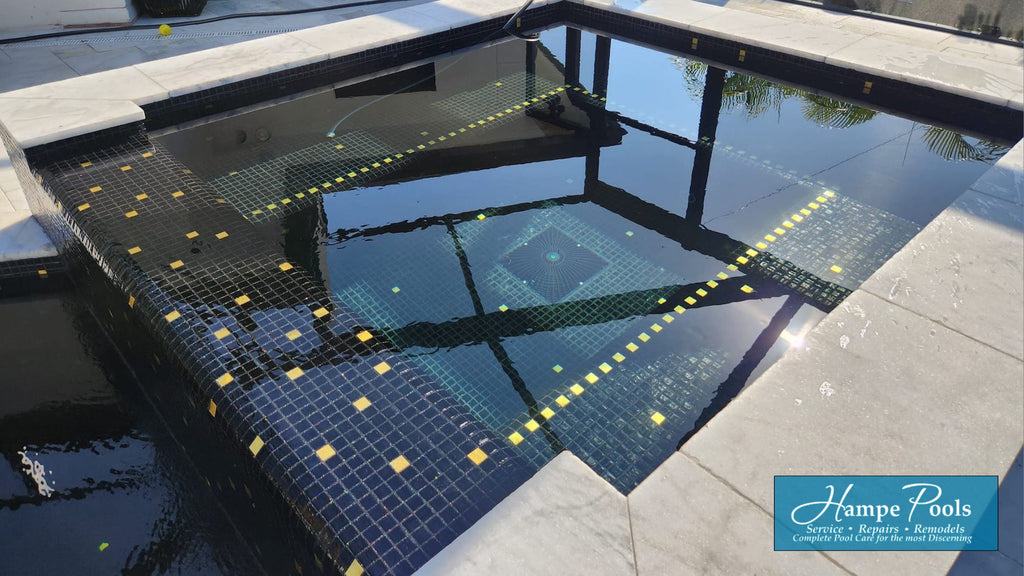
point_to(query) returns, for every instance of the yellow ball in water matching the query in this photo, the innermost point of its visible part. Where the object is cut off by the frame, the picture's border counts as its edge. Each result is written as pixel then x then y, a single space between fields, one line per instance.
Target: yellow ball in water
pixel 165 30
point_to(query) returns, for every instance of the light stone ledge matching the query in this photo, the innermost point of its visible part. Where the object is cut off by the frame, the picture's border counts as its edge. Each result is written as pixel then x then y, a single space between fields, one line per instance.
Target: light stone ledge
pixel 564 521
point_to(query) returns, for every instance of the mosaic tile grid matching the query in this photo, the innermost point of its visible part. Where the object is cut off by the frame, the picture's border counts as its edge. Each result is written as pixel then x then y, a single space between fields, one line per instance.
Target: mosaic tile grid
pixel 288 183
pixel 292 371
pixel 847 241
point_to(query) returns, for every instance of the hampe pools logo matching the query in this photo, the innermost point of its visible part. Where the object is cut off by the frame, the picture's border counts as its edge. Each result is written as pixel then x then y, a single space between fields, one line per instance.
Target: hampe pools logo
pixel 886 512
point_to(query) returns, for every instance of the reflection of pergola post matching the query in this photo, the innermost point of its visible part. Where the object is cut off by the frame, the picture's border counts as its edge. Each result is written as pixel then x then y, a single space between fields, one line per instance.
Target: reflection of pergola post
pixel 500 355
pixel 710 108
pixel 572 56
pixel 602 56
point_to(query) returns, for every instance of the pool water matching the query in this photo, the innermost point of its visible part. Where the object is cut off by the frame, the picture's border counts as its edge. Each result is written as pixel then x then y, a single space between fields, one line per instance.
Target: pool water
pixel 578 275
pixel 397 297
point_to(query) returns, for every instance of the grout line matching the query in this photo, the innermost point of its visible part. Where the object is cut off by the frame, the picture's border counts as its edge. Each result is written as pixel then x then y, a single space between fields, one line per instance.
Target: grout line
pixel 632 540
pixel 935 321
pixel 730 486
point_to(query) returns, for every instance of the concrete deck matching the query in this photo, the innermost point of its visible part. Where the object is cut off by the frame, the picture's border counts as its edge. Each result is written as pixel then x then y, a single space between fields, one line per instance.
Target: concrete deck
pixel 928 382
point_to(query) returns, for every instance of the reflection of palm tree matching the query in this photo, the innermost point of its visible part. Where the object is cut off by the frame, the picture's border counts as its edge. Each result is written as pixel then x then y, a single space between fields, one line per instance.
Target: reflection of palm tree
pixel 953 146
pixel 825 111
pixel 756 96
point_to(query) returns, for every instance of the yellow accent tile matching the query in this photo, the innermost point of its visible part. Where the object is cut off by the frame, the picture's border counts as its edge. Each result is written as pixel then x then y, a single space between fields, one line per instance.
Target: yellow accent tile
pixel 662 300
pixel 396 289
pixel 134 250
pixel 805 211
pixel 658 418
pixel 732 267
pixel 742 260
pixel 83 207
pixel 42 272
pixel 212 408
pixel 147 154
pixel 576 389
pixel 761 245
pixel 632 347
pixel 351 174
pixel 142 196
pixel 191 234
pixel 503 308
pixel 605 367
pixel 131 214
pixel 221 235
pixel 95 189
pixel 285 201
pixel 557 368
pixel 375 165
pixel 562 401
pixel 531 425
pixel 722 276
pixel 702 292
pixel 477 456
pixel 293 334
pixel 690 300
pixel 362 404
pixel 480 216
pixel 547 413
pixel 354 569
pixel 836 269
pixel 667 318
pixel 364 336
pixel 326 452
pixel 242 300
pixel 821 199
pixel 126 168
pixel 86 164
pixel 770 238
pixel 643 337
pixel 779 231
pixel 656 328
pixel 787 224
pixel 712 284
pixel 271 206
pixel 382 368
pixel 679 309
pixel 222 333
pixel 320 312
pixel 176 264
pixel 796 218
pixel 225 379
pixel 256 446
pixel 294 373
pixel 751 252
pixel 591 377
pixel 172 316
pixel 364 169
pixel 515 438
pixel 746 289
pixel 257 212
pixel 131 301
pixel 813 205
pixel 286 267
pixel 829 194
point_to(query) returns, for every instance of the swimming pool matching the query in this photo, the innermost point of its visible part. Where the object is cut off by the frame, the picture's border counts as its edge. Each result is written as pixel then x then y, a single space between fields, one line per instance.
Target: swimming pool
pixel 521 266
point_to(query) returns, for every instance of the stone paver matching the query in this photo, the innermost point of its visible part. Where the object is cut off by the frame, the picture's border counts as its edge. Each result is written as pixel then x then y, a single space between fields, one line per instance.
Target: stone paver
pixel 877 390
pixel 965 271
pixel 685 521
pixel 565 520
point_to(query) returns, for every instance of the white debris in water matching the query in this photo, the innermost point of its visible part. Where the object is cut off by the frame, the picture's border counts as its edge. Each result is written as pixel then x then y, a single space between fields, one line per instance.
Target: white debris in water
pixel 843 341
pixel 826 390
pixel 798 401
pixel 896 288
pixel 37 471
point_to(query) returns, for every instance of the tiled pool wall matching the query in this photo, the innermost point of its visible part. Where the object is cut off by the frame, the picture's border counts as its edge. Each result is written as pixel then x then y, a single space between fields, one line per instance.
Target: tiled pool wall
pixel 297 381
pixel 382 512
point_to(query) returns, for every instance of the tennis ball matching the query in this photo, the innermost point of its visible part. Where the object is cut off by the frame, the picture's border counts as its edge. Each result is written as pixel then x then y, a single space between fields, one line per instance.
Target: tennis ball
pixel 165 30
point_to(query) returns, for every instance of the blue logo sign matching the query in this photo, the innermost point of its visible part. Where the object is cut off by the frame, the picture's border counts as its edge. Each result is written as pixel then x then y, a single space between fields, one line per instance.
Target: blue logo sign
pixel 886 512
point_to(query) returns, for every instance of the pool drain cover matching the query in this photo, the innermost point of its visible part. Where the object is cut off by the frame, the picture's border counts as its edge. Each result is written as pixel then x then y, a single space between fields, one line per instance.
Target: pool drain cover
pixel 553 264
